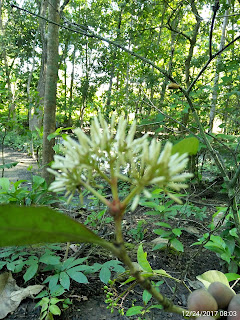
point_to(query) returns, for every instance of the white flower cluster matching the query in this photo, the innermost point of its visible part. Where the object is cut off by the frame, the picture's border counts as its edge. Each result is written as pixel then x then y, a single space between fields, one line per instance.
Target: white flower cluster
pixel 110 153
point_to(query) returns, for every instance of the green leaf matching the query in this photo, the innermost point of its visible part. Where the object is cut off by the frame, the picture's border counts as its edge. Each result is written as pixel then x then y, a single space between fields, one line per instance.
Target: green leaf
pixel 31 225
pixel 133 311
pixel 142 259
pixel 163 224
pixel 233 232
pixel 31 271
pixel 71 262
pixel 64 280
pixel 55 300
pixel 50 259
pixel 55 310
pixel 177 245
pixel 5 184
pixel 8 165
pixel 146 296
pixel 77 276
pixel 156 306
pixel 177 231
pixel 163 233
pixel 53 280
pixel 105 274
pixel 37 182
pixel 188 145
pixel 232 276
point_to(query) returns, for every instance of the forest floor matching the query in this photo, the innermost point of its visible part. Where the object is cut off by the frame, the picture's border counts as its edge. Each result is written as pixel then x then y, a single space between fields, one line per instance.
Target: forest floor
pixel 88 300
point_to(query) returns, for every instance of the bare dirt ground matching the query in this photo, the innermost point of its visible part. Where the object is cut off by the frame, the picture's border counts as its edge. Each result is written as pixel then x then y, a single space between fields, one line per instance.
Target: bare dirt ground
pixel 23 170
pixel 93 307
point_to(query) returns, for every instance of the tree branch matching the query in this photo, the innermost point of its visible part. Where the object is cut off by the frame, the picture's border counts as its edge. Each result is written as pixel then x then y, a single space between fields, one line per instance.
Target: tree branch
pixel 209 61
pixel 215 9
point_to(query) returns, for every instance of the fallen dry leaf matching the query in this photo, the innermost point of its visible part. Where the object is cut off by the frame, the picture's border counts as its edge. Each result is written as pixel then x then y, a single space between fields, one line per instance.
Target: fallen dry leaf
pixel 11 294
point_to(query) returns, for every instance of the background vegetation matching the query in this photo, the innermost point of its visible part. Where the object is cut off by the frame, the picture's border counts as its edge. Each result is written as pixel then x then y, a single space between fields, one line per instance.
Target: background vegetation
pixel 173 66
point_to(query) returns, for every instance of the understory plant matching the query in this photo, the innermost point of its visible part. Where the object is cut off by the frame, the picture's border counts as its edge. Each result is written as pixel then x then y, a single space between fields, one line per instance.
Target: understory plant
pixel 110 154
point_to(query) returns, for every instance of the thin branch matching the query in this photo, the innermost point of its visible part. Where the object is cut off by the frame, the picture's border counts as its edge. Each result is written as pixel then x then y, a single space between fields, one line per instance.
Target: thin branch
pixel 178 32
pixel 64 5
pixel 215 9
pixel 209 61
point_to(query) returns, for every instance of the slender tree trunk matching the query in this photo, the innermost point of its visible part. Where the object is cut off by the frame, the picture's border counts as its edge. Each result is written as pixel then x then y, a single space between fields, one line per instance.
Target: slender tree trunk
pixel 216 77
pixel 49 119
pixel 36 114
pixel 109 92
pixel 71 88
pixel 11 105
pixel 193 41
pixel 172 49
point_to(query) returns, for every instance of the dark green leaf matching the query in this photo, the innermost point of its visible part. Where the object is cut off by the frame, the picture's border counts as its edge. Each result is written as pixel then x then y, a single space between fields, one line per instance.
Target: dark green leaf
pixel 77 276
pixel 105 274
pixel 8 165
pixel 31 225
pixel 64 280
pixel 177 245
pixel 50 259
pixel 31 271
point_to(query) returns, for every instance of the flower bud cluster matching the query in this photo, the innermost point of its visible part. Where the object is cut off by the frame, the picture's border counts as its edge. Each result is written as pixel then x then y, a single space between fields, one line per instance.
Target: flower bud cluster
pixel 111 152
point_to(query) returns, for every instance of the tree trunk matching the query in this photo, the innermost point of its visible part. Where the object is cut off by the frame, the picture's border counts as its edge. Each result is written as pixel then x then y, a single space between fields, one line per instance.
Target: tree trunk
pixel 71 88
pixel 11 90
pixel 193 41
pixel 49 119
pixel 109 92
pixel 216 77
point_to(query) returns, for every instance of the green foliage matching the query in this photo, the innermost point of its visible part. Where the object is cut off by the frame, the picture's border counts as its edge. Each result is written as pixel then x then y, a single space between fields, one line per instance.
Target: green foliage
pixel 114 301
pixel 169 233
pixel 137 233
pixel 107 267
pixel 64 272
pixel 218 245
pixel 16 193
pixel 49 307
pixel 8 165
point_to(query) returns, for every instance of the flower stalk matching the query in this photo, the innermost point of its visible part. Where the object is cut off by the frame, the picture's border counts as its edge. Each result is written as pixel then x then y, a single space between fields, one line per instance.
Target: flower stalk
pixel 112 154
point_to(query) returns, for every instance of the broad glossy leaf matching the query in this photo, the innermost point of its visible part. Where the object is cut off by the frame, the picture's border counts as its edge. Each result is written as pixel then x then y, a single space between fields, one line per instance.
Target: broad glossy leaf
pixel 31 225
